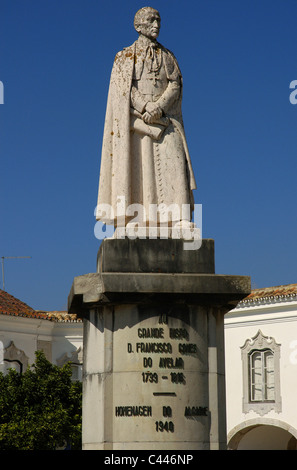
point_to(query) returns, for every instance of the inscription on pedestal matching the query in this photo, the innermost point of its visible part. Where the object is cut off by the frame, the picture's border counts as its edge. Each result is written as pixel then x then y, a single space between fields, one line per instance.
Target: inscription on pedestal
pixel 162 361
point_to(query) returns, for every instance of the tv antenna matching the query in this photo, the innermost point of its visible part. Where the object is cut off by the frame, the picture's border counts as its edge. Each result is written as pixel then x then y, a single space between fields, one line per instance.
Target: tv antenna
pixel 2 261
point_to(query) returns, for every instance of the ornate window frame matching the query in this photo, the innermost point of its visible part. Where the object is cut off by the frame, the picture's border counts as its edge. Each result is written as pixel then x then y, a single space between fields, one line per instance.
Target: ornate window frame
pixel 76 360
pixel 263 345
pixel 16 357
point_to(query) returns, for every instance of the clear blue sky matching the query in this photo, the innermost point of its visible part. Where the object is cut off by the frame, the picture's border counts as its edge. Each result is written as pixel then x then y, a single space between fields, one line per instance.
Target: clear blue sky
pixel 237 59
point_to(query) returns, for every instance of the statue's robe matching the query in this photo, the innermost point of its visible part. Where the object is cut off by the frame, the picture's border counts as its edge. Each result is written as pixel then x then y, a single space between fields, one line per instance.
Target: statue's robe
pixel 135 167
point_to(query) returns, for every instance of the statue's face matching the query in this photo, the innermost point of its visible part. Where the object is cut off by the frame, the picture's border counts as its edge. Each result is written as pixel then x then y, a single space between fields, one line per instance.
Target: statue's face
pixel 150 24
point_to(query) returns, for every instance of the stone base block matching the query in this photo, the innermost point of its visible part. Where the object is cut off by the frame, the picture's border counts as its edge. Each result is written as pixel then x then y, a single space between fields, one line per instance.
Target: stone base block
pixel 155 256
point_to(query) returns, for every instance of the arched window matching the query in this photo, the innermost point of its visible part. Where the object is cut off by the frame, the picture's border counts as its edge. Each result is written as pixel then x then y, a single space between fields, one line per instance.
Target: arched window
pixel 14 358
pixel 261 377
pixel 12 364
pixel 261 368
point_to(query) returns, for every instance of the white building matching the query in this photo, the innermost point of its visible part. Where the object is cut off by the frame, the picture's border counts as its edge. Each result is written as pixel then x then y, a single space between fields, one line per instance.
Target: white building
pixel 24 330
pixel 261 370
pixel 261 360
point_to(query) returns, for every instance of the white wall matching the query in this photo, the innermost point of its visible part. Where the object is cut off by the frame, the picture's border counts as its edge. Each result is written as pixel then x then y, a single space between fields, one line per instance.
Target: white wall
pixel 26 332
pixel 275 319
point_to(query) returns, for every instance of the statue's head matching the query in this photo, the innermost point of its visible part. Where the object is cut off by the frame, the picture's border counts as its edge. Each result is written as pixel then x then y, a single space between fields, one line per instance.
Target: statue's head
pixel 147 21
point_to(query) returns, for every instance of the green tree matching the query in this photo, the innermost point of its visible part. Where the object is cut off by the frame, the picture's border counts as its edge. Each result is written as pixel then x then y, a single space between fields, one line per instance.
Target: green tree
pixel 41 408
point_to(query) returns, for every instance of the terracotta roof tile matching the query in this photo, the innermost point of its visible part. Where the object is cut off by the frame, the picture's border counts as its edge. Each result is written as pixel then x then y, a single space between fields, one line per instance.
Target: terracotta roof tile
pixel 60 316
pixel 10 305
pixel 276 292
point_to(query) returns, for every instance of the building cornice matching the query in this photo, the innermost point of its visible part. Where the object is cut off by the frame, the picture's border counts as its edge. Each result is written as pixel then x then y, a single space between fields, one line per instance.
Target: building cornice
pixel 267 300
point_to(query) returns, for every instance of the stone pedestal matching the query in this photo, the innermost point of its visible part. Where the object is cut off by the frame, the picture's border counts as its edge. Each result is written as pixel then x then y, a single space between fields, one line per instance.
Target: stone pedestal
pixel 154 346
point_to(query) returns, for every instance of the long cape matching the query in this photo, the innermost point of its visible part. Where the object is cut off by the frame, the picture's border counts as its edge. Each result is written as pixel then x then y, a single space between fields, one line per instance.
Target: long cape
pixel 115 172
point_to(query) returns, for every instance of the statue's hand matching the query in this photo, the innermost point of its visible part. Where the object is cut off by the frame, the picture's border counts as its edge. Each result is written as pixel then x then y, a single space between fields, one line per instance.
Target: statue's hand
pixel 148 118
pixel 152 114
pixel 153 109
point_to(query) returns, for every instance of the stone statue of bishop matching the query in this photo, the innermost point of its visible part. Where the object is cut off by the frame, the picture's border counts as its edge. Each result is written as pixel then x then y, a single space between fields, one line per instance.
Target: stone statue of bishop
pixel 145 158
